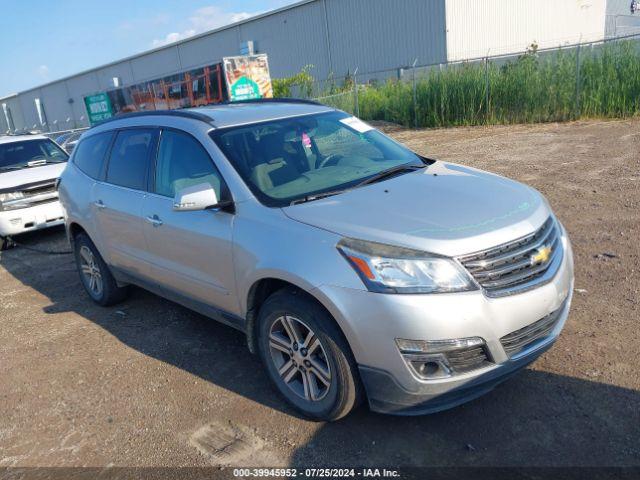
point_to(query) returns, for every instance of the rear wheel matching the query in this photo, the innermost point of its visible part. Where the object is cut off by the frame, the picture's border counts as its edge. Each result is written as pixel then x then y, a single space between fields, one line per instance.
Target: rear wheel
pixel 307 357
pixel 95 274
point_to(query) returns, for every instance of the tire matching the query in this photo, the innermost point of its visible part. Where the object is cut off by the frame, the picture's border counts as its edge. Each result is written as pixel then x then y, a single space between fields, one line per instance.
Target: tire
pixel 335 395
pixel 103 290
pixel 4 244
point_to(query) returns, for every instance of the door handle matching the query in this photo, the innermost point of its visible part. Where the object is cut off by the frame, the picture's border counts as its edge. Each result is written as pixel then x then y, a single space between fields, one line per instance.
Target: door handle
pixel 99 204
pixel 155 221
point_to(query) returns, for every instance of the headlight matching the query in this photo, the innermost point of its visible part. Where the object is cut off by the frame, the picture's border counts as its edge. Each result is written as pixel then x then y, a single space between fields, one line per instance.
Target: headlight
pixel 388 269
pixel 10 201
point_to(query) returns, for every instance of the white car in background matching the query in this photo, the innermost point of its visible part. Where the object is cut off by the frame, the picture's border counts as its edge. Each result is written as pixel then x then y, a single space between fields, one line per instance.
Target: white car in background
pixel 29 168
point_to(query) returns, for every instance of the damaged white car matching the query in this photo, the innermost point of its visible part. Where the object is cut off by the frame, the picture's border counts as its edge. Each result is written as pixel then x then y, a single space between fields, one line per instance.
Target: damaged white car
pixel 29 168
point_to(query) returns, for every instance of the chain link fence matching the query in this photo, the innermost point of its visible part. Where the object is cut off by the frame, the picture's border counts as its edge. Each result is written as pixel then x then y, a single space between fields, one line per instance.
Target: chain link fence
pixel 62 133
pixel 596 79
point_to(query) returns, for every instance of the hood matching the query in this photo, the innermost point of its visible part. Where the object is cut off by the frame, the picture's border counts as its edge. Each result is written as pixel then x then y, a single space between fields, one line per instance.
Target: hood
pixel 26 176
pixel 445 208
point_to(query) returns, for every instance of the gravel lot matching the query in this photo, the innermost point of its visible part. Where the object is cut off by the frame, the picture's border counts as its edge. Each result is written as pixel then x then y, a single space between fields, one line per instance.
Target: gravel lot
pixel 149 383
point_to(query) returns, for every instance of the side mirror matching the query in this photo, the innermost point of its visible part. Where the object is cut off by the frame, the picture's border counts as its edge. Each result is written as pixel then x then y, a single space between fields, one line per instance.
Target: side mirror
pixel 196 197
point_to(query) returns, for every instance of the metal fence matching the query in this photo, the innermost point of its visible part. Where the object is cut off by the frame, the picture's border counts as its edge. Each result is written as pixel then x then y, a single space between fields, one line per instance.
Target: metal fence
pixel 59 134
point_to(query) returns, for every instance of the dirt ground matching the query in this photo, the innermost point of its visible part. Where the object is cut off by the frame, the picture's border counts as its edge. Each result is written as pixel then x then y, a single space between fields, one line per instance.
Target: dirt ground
pixel 149 383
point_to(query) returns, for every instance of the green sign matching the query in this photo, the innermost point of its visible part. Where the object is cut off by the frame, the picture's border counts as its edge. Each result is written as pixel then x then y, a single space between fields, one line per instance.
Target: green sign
pixel 98 107
pixel 245 89
pixel 247 77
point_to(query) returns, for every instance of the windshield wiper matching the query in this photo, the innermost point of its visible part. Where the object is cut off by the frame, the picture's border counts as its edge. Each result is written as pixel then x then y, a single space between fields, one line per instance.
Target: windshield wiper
pixel 37 163
pixel 12 167
pixel 316 196
pixel 389 173
pixel 375 178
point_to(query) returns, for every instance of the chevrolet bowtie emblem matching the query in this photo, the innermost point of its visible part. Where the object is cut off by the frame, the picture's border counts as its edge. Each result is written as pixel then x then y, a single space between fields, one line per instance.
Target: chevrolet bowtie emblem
pixel 541 255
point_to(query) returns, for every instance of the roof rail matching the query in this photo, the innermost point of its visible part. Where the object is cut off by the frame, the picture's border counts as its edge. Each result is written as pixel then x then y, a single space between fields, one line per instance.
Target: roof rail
pixel 171 113
pixel 270 100
pixel 188 113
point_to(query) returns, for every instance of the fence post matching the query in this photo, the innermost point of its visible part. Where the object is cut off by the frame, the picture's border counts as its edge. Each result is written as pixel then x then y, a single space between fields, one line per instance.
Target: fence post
pixel 356 106
pixel 415 95
pixel 486 90
pixel 577 104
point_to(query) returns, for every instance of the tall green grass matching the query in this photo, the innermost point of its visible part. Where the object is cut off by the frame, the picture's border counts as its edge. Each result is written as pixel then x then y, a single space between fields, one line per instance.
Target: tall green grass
pixel 533 88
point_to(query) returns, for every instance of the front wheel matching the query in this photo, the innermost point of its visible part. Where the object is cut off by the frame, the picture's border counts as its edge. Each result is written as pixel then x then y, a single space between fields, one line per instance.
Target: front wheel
pixel 307 357
pixel 95 274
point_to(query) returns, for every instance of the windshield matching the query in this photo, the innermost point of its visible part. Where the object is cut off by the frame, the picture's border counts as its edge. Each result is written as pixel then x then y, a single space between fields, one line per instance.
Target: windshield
pixel 17 155
pixel 286 160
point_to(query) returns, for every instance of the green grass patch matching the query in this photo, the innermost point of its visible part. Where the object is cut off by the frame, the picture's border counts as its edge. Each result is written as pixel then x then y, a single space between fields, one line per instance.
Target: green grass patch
pixel 536 87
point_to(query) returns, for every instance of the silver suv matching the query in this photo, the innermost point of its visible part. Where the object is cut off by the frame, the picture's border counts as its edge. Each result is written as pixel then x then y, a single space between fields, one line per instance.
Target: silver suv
pixel 357 268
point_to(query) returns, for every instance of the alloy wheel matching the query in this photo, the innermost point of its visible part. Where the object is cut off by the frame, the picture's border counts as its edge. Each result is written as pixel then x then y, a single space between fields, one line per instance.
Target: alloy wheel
pixel 90 271
pixel 299 358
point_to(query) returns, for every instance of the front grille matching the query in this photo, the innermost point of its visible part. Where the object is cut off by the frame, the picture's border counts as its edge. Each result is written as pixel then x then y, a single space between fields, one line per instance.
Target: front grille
pixel 525 337
pixel 42 188
pixel 510 268
pixel 40 194
pixel 467 359
pixel 42 201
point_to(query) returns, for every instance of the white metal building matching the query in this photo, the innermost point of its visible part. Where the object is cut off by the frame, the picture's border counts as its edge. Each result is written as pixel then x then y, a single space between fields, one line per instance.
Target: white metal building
pixel 336 36
pixel 495 27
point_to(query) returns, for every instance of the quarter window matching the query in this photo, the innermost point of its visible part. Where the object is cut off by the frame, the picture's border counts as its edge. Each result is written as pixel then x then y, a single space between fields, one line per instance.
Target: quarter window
pixel 183 162
pixel 90 153
pixel 129 158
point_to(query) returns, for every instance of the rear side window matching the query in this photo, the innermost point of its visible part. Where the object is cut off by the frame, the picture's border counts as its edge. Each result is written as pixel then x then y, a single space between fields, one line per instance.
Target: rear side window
pixel 130 157
pixel 90 153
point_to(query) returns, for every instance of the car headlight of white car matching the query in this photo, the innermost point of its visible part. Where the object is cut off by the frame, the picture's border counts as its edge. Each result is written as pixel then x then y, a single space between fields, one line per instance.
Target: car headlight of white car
pixel 11 201
pixel 388 269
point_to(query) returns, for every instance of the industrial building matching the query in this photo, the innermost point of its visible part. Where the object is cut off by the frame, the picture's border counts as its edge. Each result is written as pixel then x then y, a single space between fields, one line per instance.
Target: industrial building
pixel 378 37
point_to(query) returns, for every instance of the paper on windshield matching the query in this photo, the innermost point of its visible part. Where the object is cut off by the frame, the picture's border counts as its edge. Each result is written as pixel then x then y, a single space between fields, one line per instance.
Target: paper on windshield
pixel 357 124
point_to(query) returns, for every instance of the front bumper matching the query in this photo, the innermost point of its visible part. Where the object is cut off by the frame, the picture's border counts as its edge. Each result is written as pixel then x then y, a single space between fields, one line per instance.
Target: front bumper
pixel 386 396
pixel 372 321
pixel 14 222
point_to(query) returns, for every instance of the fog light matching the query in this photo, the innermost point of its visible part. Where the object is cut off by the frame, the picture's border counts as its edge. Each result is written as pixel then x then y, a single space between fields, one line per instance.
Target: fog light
pixel 428 369
pixel 430 366
pixel 434 359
